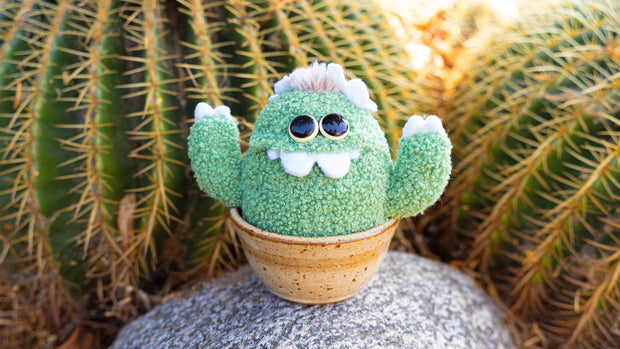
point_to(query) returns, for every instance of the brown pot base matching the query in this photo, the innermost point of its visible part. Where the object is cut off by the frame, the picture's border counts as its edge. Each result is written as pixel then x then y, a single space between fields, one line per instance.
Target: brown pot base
pixel 314 270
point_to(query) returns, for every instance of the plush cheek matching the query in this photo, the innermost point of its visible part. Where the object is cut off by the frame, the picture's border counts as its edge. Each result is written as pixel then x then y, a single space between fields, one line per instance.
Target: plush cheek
pixel 280 202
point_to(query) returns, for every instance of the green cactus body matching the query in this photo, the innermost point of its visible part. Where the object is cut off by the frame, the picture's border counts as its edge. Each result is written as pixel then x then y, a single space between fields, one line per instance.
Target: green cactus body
pixel 158 126
pixel 276 201
pixel 354 185
pixel 96 195
pixel 535 124
pixel 50 113
pixel 14 48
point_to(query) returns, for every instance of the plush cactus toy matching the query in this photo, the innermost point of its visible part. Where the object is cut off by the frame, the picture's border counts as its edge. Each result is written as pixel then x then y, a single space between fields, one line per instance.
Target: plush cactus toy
pixel 318 163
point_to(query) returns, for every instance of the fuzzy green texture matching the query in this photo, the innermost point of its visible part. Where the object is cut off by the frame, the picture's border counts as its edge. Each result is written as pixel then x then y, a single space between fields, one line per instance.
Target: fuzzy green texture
pixel 216 158
pixel 422 171
pixel 317 205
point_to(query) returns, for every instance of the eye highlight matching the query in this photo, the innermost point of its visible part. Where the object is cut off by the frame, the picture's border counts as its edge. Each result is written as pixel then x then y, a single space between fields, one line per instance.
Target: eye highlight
pixel 334 126
pixel 303 128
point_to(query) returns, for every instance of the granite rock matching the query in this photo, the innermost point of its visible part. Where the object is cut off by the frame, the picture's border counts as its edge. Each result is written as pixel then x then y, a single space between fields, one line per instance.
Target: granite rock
pixel 411 302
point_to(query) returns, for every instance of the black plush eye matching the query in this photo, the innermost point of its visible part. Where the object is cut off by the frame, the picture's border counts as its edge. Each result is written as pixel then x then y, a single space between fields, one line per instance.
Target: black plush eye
pixel 334 126
pixel 303 128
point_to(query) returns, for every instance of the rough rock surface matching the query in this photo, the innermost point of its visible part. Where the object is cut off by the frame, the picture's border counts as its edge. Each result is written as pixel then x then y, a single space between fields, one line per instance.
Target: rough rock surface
pixel 411 302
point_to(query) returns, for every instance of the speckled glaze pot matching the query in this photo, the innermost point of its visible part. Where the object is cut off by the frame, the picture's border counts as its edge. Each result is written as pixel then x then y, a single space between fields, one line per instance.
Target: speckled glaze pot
pixel 314 270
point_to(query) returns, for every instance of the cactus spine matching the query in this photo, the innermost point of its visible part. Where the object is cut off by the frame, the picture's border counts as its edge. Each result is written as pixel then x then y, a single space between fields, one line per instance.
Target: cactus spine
pixel 536 125
pixel 96 197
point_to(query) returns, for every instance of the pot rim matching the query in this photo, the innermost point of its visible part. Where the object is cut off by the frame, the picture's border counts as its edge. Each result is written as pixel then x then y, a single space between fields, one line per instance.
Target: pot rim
pixel 309 240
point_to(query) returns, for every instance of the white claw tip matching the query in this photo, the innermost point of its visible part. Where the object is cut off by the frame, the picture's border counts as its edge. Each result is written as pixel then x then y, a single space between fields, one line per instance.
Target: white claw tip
pixel 224 111
pixel 417 124
pixel 433 124
pixel 203 109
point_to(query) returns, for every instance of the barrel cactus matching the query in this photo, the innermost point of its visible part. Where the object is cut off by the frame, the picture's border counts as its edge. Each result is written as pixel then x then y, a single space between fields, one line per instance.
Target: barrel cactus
pixel 535 123
pixel 99 213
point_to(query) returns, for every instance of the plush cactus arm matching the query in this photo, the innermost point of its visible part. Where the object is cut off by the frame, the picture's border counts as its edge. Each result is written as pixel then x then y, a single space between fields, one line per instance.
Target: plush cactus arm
pixel 422 167
pixel 215 153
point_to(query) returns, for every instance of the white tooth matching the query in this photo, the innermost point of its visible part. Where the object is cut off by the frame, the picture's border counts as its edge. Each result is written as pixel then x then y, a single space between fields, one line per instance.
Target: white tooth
pixel 272 154
pixel 333 165
pixel 297 164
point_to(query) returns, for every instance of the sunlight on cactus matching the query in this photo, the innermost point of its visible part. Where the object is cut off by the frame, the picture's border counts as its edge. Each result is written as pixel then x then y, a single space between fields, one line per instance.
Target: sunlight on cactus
pixel 100 218
pixel 536 124
pixel 100 215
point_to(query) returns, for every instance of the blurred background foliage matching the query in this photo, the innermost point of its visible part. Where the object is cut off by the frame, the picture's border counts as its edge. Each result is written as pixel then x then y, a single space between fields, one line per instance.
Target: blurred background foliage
pixel 101 219
pixel 533 209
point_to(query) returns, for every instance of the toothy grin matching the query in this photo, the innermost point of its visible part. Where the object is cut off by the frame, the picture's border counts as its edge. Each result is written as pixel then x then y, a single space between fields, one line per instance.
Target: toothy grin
pixel 299 164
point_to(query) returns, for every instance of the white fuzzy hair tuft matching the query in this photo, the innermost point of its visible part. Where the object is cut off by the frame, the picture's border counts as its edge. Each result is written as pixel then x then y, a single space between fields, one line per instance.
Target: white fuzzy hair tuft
pixel 321 77
pixel 314 78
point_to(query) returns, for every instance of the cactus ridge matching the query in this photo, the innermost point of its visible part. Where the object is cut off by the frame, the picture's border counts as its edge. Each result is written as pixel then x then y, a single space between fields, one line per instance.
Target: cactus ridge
pixel 536 126
pixel 96 198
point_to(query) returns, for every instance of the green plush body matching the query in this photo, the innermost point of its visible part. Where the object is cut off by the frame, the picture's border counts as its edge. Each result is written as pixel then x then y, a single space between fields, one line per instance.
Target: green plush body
pixel 373 190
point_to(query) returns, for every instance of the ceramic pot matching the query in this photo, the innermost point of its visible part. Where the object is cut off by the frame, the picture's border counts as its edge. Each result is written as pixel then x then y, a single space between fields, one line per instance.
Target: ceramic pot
pixel 314 270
